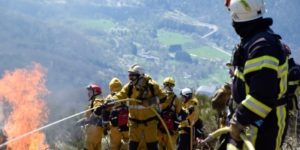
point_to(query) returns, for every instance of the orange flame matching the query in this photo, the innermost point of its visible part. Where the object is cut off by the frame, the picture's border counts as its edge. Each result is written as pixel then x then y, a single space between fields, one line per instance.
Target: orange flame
pixel 23 90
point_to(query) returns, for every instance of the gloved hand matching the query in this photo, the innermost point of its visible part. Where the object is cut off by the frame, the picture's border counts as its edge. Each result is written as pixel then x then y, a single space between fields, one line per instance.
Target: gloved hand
pixel 236 128
pixel 108 103
pixel 105 115
pixel 98 110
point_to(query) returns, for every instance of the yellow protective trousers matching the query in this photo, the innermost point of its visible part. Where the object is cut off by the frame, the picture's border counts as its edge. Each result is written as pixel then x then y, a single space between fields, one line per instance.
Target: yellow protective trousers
pixel 163 141
pixel 93 137
pixel 146 131
pixel 116 137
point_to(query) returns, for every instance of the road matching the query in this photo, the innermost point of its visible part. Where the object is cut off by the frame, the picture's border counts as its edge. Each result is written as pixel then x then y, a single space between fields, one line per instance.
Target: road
pixel 184 19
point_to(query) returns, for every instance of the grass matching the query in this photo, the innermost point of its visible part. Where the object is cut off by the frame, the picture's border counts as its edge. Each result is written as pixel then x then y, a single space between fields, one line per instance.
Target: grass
pixel 169 38
pixel 208 52
pixel 218 77
pixel 97 24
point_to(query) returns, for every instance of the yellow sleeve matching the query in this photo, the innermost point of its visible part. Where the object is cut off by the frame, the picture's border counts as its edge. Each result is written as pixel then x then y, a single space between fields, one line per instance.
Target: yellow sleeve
pixel 178 105
pixel 123 93
pixel 194 116
pixel 157 90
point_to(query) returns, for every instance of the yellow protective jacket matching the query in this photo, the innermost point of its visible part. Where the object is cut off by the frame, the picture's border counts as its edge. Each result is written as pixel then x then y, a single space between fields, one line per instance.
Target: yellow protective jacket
pixel 221 97
pixel 191 109
pixel 94 102
pixel 148 92
pixel 171 98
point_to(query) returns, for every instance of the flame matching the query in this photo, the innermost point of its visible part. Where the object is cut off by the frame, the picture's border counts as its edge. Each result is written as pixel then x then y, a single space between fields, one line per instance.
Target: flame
pixel 23 90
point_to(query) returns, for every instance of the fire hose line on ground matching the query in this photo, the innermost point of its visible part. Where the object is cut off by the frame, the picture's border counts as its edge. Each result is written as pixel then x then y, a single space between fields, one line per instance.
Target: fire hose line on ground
pixel 74 115
pixel 225 130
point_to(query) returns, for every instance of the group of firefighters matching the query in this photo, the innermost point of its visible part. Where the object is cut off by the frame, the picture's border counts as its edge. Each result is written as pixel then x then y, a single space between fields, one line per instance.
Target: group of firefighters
pixel 264 79
pixel 257 99
pixel 129 113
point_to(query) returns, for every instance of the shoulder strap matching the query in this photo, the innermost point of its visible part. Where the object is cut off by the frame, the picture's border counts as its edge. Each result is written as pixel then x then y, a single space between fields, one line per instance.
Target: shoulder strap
pixel 92 104
pixel 171 103
pixel 151 88
pixel 130 87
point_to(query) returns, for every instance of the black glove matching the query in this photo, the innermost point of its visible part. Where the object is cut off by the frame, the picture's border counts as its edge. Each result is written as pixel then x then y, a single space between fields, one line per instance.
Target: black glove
pixel 236 128
pixel 108 103
pixel 191 109
pixel 98 110
pixel 105 115
pixel 238 56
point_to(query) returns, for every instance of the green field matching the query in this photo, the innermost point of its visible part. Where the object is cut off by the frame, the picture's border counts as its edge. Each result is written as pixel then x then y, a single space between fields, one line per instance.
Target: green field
pixel 169 38
pixel 219 76
pixel 208 52
pixel 99 24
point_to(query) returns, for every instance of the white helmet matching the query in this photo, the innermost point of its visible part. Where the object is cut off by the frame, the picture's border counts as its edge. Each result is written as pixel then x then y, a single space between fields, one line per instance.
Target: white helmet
pixel 136 69
pixel 245 10
pixel 187 92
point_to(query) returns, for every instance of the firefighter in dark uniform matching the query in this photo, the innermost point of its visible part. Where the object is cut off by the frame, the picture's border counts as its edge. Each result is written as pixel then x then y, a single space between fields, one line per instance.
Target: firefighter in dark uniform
pixel 293 80
pixel 292 103
pixel 260 79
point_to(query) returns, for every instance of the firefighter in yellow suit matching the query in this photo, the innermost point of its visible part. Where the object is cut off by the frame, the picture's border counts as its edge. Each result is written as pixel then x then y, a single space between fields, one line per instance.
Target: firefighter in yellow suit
pixel 219 103
pixel 170 108
pixel 142 120
pixel 119 127
pixel 94 129
pixel 190 124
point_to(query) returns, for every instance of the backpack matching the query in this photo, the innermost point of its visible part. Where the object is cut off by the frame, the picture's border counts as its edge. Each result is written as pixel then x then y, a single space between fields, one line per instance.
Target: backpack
pixel 130 89
pixel 119 116
pixel 169 117
pixel 123 116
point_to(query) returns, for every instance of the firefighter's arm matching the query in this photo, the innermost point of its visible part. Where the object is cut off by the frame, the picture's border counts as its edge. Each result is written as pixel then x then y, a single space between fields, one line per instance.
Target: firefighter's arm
pixel 122 94
pixel 261 74
pixel 98 106
pixel 178 105
pixel 158 91
pixel 193 114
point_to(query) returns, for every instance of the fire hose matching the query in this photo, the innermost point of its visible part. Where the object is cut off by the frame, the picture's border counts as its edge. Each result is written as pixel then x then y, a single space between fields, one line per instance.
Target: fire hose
pixel 74 115
pixel 225 130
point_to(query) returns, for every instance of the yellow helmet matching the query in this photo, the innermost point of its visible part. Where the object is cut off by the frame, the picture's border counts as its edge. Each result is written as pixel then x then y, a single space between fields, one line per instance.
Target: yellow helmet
pixel 169 80
pixel 115 85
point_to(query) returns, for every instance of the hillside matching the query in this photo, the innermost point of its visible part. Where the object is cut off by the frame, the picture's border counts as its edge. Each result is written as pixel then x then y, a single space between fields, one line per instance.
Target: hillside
pixel 79 42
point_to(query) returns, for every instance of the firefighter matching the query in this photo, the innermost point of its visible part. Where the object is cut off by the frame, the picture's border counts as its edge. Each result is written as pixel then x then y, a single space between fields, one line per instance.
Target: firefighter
pixel 260 79
pixel 3 139
pixel 190 125
pixel 118 118
pixel 293 80
pixel 142 120
pixel 170 108
pixel 93 129
pixel 293 84
pixel 219 103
